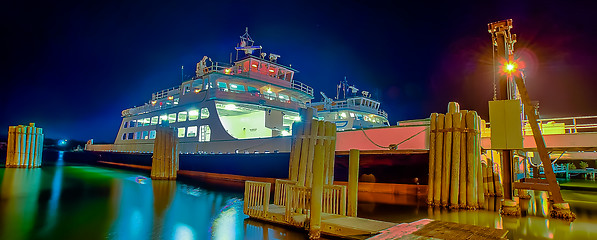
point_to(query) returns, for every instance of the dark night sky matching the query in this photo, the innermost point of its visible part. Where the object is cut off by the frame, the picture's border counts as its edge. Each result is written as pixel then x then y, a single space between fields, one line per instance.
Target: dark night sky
pixel 72 67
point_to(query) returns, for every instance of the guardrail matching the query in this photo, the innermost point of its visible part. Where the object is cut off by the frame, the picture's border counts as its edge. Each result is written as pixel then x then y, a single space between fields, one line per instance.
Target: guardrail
pixel 298 200
pixel 256 198
pixel 334 199
pixel 294 84
pixel 562 125
pixel 281 190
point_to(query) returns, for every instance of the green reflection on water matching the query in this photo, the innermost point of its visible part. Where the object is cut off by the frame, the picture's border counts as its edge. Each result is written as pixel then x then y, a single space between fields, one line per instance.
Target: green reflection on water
pixel 83 202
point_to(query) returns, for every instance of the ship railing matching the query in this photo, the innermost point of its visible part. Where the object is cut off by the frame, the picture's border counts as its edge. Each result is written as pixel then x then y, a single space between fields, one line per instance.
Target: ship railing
pixel 218 67
pixel 298 201
pixel 256 201
pixel 334 199
pixel 562 125
pixel 165 93
pixel 280 191
pixel 294 84
pixel 345 105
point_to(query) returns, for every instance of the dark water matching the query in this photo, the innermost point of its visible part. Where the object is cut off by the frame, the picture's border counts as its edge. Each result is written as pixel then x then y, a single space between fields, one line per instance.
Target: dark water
pixel 61 201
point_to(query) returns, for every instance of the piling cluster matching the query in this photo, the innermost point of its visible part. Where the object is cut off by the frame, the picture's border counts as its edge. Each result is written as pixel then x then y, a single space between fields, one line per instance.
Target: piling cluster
pixel 491 178
pixel 25 146
pixel 164 163
pixel 307 135
pixel 455 172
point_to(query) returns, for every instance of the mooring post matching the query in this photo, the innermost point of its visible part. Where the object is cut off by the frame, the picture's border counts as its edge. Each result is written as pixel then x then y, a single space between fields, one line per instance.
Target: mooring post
pixel 353 182
pixel 317 185
pixel 164 163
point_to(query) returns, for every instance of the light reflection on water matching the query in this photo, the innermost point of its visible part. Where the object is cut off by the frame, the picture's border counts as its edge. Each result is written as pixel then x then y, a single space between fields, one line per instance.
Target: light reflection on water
pixel 82 202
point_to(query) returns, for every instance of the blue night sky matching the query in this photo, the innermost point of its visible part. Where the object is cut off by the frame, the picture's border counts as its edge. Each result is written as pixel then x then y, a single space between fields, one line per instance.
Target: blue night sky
pixel 72 67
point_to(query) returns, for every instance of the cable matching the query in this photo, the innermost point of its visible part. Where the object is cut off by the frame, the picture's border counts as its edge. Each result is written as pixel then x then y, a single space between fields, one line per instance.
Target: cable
pixel 391 146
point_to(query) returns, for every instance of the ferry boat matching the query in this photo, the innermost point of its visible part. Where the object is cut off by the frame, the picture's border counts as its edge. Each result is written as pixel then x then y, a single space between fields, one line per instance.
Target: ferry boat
pixel 247 106
pixel 352 112
pixel 237 119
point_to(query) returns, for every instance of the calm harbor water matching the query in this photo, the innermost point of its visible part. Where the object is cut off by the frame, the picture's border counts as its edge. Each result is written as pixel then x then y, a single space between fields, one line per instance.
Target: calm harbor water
pixel 65 201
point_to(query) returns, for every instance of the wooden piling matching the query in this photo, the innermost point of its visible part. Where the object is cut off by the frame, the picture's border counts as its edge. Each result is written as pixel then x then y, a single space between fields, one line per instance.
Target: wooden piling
pixel 317 187
pixel 165 154
pixel 25 146
pixel 439 145
pixel 353 182
pixel 462 186
pixel 314 132
pixel 480 186
pixel 455 171
pixel 295 154
pixel 11 146
pixel 304 153
pixel 447 160
pixel 330 151
pixel 432 133
pixel 471 188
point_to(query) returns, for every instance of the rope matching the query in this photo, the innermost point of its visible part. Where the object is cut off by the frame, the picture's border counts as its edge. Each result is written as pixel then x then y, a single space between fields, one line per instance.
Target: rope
pixel 391 146
pixel 493 65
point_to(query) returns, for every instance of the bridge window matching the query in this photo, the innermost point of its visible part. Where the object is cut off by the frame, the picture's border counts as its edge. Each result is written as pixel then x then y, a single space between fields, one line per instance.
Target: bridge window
pixel 163 118
pixel 192 131
pixel 204 113
pixel 181 132
pixel 205 133
pixel 283 98
pixel 154 120
pixel 237 87
pixel 172 117
pixel 152 134
pixel 193 115
pixel 270 95
pixel 182 116
pixel 222 86
pixel 252 89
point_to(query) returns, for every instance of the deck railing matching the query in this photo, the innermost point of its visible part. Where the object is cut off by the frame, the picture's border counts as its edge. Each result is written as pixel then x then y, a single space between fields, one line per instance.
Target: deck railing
pixel 334 199
pixel 281 190
pixel 562 125
pixel 298 201
pixel 256 198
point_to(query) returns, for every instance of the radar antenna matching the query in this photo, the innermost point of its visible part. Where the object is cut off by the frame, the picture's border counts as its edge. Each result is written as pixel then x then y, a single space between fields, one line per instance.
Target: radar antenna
pixel 246 44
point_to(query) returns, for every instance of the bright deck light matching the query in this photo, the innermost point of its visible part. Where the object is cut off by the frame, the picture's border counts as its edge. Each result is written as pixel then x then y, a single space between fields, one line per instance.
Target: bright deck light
pixel 230 107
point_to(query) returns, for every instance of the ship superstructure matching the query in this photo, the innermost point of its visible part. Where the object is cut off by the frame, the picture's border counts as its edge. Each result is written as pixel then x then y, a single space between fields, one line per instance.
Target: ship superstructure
pixel 252 101
pixel 353 111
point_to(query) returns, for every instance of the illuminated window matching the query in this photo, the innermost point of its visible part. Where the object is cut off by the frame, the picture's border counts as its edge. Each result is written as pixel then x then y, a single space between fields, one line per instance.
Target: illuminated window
pixel 270 95
pixel 193 115
pixel 152 134
pixel 181 132
pixel 176 101
pixel 145 135
pixel 205 133
pixel 131 135
pixel 204 113
pixel 124 136
pixel 351 114
pixel 222 86
pixel 163 118
pixel 283 97
pixel 198 84
pixel 154 120
pixel 182 116
pixel 126 124
pixel 172 117
pixel 138 135
pixel 252 89
pixel 237 87
pixel 192 131
pixel 132 123
pixel 146 121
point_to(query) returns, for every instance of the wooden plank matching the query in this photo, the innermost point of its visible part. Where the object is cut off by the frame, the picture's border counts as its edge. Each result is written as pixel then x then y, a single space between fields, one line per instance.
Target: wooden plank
pixel 533 180
pixel 531 186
